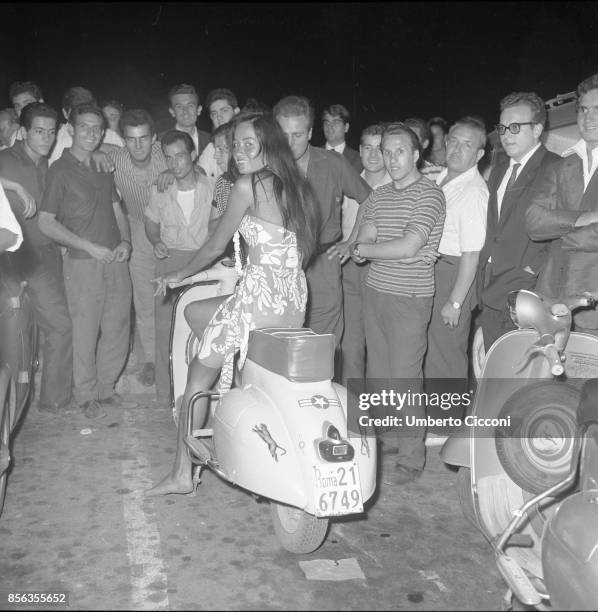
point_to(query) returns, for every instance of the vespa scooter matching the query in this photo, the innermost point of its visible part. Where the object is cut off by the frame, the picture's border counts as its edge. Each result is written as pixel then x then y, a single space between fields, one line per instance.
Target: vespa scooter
pixel 511 482
pixel 281 432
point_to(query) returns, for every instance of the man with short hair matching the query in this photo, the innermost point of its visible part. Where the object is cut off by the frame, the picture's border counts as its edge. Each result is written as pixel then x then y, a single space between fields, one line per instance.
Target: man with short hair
pixel 509 260
pixel 564 209
pixel 39 261
pixel 463 235
pixel 21 93
pixel 73 97
pixel 420 127
pixel 176 224
pixel 401 223
pixel 331 177
pixel 137 167
pixel 81 210
pixel 185 108
pixel 335 123
pixel 9 128
pixel 222 106
pixel 353 275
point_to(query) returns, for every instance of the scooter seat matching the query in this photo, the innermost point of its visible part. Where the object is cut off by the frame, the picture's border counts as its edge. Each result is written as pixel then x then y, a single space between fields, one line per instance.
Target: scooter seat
pixel 298 354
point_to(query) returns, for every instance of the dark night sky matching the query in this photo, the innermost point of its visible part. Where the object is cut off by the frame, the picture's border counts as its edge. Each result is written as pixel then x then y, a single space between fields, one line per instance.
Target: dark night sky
pixel 382 60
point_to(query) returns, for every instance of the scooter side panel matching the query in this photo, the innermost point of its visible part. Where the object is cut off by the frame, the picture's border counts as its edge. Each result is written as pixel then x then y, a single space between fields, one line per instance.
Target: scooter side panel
pixel 254 448
pixel 300 413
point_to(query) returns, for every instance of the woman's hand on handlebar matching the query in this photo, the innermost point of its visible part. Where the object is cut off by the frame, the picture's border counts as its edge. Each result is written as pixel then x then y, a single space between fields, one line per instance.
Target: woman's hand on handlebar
pixel 162 282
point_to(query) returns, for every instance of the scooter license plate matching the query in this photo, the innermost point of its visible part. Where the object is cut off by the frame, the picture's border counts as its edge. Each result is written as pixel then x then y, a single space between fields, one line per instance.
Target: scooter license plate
pixel 337 489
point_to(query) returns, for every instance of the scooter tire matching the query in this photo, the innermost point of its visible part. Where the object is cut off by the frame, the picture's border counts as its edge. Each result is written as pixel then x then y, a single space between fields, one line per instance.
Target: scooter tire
pixel 298 532
pixel 531 408
pixel 465 495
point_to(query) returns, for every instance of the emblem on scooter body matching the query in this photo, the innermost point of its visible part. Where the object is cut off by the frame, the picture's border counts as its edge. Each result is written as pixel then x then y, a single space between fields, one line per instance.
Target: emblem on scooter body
pixel 262 431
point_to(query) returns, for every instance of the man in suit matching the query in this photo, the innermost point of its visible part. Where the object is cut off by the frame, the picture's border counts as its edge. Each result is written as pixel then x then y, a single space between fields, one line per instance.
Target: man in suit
pixel 335 123
pixel 565 208
pixel 184 108
pixel 509 259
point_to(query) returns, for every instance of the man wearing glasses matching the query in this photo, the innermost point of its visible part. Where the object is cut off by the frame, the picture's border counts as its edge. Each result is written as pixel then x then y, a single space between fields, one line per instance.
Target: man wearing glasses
pixel 509 260
pixel 565 208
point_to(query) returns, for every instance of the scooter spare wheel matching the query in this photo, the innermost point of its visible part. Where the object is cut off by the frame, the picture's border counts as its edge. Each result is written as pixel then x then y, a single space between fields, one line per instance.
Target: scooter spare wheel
pixel 297 531
pixel 535 450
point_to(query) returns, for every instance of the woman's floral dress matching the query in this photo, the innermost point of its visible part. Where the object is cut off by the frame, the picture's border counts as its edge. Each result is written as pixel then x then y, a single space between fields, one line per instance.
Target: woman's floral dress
pixel 272 292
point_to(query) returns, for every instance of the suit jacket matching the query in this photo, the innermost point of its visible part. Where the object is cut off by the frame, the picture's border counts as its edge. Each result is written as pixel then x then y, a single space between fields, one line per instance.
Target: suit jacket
pixel 507 241
pixel 354 158
pixel 572 265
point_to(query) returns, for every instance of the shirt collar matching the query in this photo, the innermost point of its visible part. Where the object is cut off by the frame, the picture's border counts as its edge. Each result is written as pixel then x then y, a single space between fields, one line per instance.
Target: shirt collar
pixel 339 148
pixel 464 176
pixel 192 133
pixel 578 148
pixel 524 159
pixel 384 181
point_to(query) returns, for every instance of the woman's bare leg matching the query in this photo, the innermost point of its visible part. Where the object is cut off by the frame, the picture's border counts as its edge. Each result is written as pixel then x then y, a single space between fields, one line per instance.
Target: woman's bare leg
pixel 199 378
pixel 178 480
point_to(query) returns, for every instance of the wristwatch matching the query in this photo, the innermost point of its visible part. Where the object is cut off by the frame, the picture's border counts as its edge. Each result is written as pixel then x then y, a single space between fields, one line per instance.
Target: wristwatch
pixel 456 305
pixel 356 250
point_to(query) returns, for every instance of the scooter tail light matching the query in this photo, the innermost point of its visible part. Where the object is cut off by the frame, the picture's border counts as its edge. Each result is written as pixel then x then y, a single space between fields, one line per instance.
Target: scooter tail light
pixel 333 448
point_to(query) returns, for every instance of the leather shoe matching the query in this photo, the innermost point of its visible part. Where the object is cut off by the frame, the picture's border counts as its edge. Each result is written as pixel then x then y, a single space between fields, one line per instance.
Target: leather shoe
pixel 93 410
pixel 402 475
pixel 116 401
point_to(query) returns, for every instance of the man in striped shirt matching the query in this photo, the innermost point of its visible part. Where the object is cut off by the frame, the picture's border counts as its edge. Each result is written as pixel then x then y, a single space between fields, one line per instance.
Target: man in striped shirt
pixel 137 166
pixel 400 224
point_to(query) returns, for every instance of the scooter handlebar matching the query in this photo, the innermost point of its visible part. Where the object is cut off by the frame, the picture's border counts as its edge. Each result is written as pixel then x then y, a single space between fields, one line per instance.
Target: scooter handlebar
pixel 223 270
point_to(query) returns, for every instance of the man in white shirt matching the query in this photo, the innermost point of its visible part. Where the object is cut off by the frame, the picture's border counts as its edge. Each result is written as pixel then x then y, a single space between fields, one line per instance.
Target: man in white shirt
pixel 335 123
pixel 353 275
pixel 223 106
pixel 565 208
pixel 462 239
pixel 73 97
pixel 176 224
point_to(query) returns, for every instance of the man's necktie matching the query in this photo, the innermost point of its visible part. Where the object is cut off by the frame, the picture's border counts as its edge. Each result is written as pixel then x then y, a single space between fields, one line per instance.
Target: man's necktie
pixel 513 176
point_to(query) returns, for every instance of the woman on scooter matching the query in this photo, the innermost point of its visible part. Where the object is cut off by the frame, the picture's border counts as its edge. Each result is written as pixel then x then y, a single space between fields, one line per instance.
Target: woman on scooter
pixel 272 206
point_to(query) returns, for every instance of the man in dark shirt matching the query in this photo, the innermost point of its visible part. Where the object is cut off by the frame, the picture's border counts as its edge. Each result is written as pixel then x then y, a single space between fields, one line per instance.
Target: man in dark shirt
pixel 81 210
pixel 331 176
pixel 38 261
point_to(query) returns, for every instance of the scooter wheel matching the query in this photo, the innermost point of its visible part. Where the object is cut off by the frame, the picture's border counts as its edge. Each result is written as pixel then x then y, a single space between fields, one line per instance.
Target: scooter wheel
pixel 297 531
pixel 535 451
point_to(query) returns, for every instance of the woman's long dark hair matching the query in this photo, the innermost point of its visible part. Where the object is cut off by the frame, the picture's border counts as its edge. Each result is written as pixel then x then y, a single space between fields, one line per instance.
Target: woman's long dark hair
pixel 294 196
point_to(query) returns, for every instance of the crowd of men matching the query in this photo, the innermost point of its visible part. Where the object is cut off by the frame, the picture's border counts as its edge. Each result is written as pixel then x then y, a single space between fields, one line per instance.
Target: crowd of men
pixel 412 237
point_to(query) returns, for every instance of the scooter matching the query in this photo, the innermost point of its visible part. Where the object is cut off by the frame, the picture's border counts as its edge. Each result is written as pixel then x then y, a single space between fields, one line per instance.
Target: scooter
pixel 281 432
pixel 18 351
pixel 517 481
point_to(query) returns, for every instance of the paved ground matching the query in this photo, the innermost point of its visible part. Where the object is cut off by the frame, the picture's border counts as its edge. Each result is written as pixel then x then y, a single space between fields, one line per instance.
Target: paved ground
pixel 76 520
